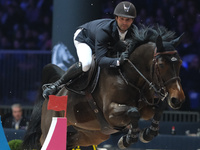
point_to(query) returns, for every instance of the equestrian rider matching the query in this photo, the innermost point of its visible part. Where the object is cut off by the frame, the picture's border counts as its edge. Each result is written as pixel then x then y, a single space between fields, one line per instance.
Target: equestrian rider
pixel 96 37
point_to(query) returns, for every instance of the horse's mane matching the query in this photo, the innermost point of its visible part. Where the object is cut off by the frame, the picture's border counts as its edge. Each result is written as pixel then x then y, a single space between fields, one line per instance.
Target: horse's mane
pixel 143 34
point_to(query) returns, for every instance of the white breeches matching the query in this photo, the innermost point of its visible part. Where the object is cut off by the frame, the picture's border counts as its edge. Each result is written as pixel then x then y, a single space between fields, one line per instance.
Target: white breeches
pixel 84 53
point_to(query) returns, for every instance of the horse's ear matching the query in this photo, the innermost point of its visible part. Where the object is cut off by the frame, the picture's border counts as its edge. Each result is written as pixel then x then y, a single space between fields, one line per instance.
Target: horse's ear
pixel 159 44
pixel 177 41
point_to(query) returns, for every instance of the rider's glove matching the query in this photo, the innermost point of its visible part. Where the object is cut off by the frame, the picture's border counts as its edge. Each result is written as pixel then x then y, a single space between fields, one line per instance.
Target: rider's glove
pixel 123 58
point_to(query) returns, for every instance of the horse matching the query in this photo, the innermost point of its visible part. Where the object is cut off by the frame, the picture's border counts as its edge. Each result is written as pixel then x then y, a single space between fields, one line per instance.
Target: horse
pixel 141 88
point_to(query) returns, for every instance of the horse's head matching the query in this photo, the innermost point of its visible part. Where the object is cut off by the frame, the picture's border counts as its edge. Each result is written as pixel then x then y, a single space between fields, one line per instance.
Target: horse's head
pixel 168 65
pixel 161 74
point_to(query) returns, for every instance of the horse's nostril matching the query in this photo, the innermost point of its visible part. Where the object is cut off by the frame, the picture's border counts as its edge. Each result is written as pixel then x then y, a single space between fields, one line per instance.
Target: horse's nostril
pixel 175 101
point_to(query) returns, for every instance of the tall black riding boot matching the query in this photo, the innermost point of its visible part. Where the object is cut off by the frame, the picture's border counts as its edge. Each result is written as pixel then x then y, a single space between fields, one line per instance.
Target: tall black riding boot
pixel 74 71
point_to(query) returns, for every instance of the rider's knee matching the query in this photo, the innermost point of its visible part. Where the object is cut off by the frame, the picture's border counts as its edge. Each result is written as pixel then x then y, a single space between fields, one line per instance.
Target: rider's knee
pixel 86 67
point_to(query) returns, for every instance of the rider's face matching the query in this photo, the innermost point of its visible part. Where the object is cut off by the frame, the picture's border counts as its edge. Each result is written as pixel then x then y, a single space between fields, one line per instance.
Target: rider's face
pixel 123 23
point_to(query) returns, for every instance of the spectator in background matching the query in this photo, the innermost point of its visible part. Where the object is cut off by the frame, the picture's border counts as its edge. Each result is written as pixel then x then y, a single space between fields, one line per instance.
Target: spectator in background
pixel 16 121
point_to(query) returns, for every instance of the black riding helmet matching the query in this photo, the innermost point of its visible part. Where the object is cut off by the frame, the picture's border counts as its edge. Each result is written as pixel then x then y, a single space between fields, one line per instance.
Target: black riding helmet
pixel 125 9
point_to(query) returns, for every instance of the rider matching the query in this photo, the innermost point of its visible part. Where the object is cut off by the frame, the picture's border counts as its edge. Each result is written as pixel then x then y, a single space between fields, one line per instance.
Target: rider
pixel 96 37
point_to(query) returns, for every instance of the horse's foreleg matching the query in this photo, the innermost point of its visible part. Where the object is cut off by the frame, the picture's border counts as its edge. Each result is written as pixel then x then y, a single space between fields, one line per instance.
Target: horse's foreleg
pixel 126 115
pixel 149 133
pixel 132 136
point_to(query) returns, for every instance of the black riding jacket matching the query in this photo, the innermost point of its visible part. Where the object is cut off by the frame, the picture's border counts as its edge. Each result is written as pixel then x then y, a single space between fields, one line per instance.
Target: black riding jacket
pixel 100 35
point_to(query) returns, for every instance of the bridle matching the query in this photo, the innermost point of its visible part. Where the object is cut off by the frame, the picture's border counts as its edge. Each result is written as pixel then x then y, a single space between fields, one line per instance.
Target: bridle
pixel 160 92
pixel 173 59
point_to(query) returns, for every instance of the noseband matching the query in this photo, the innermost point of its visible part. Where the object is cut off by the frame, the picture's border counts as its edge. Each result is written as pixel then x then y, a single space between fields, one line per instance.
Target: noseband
pixel 161 91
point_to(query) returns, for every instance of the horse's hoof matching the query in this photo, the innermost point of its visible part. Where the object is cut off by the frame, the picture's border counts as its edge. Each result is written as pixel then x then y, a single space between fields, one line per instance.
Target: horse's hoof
pixel 122 144
pixel 141 136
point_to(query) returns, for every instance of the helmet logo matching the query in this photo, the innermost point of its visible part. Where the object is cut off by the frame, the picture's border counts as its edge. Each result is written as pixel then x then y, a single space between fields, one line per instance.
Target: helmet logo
pixel 126 9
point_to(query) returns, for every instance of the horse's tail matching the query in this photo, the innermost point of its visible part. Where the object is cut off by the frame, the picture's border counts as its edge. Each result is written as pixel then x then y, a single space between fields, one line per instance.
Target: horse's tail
pixel 32 136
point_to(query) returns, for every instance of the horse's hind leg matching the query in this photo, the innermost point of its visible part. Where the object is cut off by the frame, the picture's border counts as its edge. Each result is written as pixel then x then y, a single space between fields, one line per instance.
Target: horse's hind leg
pixel 82 137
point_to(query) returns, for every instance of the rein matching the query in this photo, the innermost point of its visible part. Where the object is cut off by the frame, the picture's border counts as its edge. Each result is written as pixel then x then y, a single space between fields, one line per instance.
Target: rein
pixel 161 92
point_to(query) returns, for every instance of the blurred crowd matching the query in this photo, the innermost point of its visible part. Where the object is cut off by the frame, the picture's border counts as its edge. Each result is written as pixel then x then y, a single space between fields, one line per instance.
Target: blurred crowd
pixel 25 24
pixel 181 16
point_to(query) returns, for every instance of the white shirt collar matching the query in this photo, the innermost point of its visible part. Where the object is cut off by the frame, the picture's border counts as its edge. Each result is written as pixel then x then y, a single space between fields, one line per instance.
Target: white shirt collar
pixel 122 35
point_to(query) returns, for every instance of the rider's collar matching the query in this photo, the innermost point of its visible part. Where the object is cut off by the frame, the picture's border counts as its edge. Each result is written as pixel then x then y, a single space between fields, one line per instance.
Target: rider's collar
pixel 122 35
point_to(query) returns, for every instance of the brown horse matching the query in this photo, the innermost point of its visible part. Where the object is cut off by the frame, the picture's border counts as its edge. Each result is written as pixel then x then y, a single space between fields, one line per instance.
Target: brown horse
pixel 141 88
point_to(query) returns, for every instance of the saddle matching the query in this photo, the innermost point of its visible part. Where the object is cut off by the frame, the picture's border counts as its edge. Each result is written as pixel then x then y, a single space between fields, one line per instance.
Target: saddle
pixel 86 82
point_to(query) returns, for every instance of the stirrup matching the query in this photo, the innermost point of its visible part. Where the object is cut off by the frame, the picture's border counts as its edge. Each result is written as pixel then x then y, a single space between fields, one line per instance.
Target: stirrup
pixel 45 86
pixel 49 89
